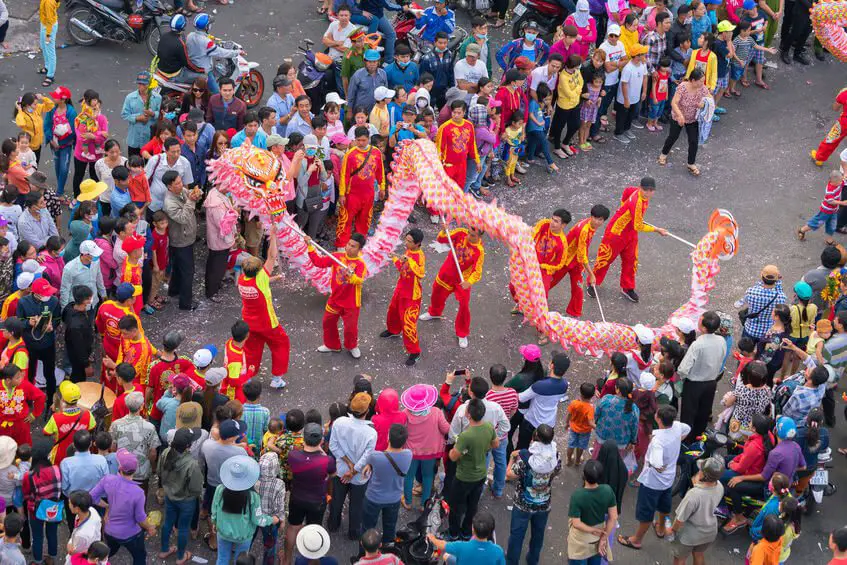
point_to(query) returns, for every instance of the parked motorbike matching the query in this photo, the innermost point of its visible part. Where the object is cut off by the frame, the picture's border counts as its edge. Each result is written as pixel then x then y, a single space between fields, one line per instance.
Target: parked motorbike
pixel 411 544
pixel 316 72
pixel 819 485
pixel 710 443
pixel 249 82
pixel 548 14
pixel 89 21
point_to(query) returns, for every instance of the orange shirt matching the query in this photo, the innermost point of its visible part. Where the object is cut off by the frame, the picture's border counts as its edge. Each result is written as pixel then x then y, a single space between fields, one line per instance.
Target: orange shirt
pixel 766 552
pixel 549 247
pixel 581 413
pixel 411 272
pixel 629 218
pixel 140 354
pixel 579 239
pixel 367 176
pixel 10 305
pixel 456 143
pixel 345 291
pixel 471 257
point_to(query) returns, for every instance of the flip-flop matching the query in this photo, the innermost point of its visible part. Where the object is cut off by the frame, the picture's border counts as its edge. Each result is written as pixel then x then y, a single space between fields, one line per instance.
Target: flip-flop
pixel 763 85
pixel 42 71
pixel 731 527
pixel 624 541
pixel 843 451
pixel 656 531
pixel 801 235
pixel 207 539
pixel 185 559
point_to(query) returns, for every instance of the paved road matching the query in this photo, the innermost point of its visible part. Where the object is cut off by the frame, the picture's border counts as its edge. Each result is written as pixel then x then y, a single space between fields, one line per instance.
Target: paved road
pixel 756 165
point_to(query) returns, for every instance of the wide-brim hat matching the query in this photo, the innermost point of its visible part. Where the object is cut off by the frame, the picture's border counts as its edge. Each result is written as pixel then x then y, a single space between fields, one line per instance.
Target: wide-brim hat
pixel 419 397
pixel 189 415
pixel 90 189
pixel 8 450
pixel 313 541
pixel 38 180
pixel 239 473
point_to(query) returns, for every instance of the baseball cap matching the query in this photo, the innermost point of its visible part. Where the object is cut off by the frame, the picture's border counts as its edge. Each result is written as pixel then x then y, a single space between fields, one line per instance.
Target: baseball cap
pixel 339 139
pixel 229 429
pixel 183 438
pixel 803 290
pixel 383 93
pixel 275 139
pixel 725 25
pixel 749 4
pixel 361 403
pixel 613 29
pixel 24 280
pixel 473 48
pixel 69 392
pixel 711 469
pixel 180 381
pixel 644 334
pixel 88 247
pixel 143 77
pixel 127 461
pixel 530 352
pixel 311 140
pixel 189 415
pixel 334 97
pixel 32 266
pixel 647 380
pixel 43 288
pixel 685 325
pixel 312 434
pixel 215 376
pixel 204 357
pixel 371 55
pixel 124 291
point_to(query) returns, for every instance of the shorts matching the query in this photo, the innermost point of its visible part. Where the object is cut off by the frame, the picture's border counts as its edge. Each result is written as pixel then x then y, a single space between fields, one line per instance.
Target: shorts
pixel 736 71
pixel 310 512
pixel 829 221
pixel 578 440
pixel 757 57
pixel 682 551
pixel 656 109
pixel 650 501
pixel 722 82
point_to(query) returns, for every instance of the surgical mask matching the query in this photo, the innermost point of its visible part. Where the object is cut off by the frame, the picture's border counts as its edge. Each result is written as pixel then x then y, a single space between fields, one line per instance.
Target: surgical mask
pixel 482 36
pixel 94 259
pixel 311 152
pixel 44 298
pixel 94 217
pixel 440 50
pixel 170 115
pixel 530 36
pixel 402 65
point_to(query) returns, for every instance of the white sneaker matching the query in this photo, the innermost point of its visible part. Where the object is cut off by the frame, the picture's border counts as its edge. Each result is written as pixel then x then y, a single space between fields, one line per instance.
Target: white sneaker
pixel 325 349
pixel 434 219
pixel 463 342
pixel 278 382
pixel 356 352
pixel 427 316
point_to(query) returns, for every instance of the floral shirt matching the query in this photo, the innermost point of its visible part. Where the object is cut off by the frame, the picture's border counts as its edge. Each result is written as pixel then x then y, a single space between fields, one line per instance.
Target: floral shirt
pixel 613 423
pixel 749 402
pixel 285 443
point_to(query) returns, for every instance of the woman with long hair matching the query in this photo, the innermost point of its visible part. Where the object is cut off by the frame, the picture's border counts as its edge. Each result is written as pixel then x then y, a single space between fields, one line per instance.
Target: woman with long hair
pixel 750 396
pixel 220 143
pixel 92 131
pixel 11 168
pixel 196 97
pixel 60 135
pixel 29 116
pixel 532 371
pixel 617 369
pixel 43 482
pixel 614 469
pixel 103 167
pixel 770 349
pixel 616 417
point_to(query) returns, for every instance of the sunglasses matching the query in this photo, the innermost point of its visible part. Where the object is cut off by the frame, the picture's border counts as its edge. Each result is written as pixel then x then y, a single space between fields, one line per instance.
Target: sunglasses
pixel 198 90
pixel 613 35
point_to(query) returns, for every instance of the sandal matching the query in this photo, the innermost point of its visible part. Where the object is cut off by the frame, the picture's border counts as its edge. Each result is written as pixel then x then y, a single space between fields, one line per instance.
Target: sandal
pixel 42 71
pixel 598 139
pixel 801 235
pixel 165 554
pixel 763 85
pixel 843 451
pixel 207 538
pixel 694 170
pixel 624 541
pixel 736 93
pixel 663 159
pixel 829 241
pixel 656 531
pixel 498 24
pixel 185 559
pixel 745 83
pixel 47 81
pixel 732 527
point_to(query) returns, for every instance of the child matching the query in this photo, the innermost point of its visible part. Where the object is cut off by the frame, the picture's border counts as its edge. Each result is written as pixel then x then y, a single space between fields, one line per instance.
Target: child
pixel 680 57
pixel 790 515
pixel 139 186
pixel 814 347
pixel 120 196
pixel 360 119
pixel 272 494
pixel 422 94
pixel 590 106
pixel 758 28
pixel 274 433
pixel 159 262
pixel 632 91
pixel 256 416
pixel 536 127
pixel 659 94
pixel 664 371
pixel 827 214
pixel 97 554
pixel 23 461
pixel 291 438
pixel 130 270
pixel 580 422
pixel 427 119
pixel 695 524
pixel 238 372
pixel 103 443
pixel 724 51
pixel 26 156
pixel 746 352
pixel 513 137
pixel 52 261
pixel 107 263
pixel 370 545
pixel 379 117
pixel 766 551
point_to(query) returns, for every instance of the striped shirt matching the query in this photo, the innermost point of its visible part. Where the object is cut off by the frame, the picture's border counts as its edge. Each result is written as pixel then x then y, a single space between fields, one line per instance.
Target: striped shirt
pixel 833 192
pixel 835 352
pixel 506 398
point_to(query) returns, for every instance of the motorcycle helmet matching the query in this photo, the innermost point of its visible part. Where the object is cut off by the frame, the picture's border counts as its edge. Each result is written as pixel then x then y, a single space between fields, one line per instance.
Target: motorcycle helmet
pixel 178 23
pixel 322 61
pixel 203 22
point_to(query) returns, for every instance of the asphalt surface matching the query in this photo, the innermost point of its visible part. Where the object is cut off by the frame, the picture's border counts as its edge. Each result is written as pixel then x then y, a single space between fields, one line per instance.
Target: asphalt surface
pixel 756 165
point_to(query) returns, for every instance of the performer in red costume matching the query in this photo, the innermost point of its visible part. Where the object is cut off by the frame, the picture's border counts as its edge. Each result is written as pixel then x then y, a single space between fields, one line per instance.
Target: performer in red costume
pixel 108 316
pixel 361 173
pixel 345 296
pixel 621 237
pixel 550 249
pixel 405 304
pixel 16 394
pixel 470 255
pixel 576 257
pixel 130 270
pixel 456 143
pixel 165 367
pixel 257 309
pixel 836 133
pixel 235 362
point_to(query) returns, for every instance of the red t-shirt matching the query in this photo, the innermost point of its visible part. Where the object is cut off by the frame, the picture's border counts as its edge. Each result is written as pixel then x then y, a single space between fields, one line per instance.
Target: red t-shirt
pixel 158 380
pixel 119 409
pixel 160 246
pixel 660 86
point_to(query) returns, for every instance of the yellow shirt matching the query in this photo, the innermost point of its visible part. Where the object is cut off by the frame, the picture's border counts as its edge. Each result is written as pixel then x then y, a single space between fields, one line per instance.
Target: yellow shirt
pixel 33 122
pixel 48 15
pixel 800 324
pixel 629 39
pixel 569 89
pixel 379 119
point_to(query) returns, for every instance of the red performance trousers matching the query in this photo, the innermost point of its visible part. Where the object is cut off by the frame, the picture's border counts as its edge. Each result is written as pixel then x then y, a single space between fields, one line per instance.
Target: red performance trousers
pixel 18 430
pixel 403 317
pixel 440 292
pixel 354 216
pixel 350 318
pixel 277 341
pixel 610 247
pixel 575 271
pixel 832 139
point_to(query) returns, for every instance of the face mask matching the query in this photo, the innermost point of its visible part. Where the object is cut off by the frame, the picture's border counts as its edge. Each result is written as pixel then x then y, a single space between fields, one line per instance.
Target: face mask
pixel 94 217
pixel 440 50
pixel 94 259
pixel 170 115
pixel 482 36
pixel 530 36
pixel 311 152
pixel 402 65
pixel 44 298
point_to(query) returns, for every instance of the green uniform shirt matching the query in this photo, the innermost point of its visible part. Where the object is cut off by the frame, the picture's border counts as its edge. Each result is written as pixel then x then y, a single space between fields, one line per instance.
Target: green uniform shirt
pixel 473 444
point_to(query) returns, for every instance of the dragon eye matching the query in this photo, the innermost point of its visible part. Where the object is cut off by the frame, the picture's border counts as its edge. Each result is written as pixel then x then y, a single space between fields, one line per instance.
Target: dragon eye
pixel 255 183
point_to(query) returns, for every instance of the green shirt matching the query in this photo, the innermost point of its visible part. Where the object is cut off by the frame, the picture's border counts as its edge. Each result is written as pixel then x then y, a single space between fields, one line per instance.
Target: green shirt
pixel 238 527
pixel 592 504
pixel 473 444
pixel 351 62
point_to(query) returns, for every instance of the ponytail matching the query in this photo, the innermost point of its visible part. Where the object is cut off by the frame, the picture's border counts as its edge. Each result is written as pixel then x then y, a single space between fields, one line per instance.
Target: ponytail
pixel 814 421
pixel 619 362
pixel 646 352
pixel 762 425
pixel 624 388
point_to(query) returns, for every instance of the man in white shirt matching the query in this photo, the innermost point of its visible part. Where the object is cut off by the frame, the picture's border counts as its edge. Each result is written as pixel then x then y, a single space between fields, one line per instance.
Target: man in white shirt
pixel 656 478
pixel 169 160
pixel 548 74
pixel 616 59
pixel 699 372
pixel 469 70
pixel 631 91
pixel 337 36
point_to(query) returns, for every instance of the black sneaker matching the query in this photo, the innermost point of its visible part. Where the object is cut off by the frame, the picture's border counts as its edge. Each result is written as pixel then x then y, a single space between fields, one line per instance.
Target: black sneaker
pixel 590 292
pixel 802 58
pixel 412 219
pixel 786 57
pixel 475 193
pixel 630 295
pixel 386 333
pixel 412 359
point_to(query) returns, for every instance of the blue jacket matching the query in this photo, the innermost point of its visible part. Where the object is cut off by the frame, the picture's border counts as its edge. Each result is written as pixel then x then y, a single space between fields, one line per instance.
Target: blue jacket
pixel 68 141
pixel 512 50
pixel 435 23
pixel 139 133
pixel 407 78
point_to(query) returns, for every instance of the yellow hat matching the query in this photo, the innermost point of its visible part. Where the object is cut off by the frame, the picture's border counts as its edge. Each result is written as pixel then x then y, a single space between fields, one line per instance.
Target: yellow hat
pixel 90 189
pixel 638 49
pixel 69 391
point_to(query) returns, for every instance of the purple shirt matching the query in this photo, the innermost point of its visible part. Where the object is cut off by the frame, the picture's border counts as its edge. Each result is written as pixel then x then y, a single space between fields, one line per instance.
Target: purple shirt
pixel 125 516
pixel 310 472
pixel 785 458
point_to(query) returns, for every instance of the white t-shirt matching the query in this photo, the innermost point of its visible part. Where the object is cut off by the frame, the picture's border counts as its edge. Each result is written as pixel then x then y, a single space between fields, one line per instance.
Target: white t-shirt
pixel 541 74
pixel 633 75
pixel 338 34
pixel 85 534
pixel 614 53
pixel 464 71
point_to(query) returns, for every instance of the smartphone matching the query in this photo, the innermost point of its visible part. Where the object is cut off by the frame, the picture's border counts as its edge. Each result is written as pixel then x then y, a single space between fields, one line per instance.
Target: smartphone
pixel 460 372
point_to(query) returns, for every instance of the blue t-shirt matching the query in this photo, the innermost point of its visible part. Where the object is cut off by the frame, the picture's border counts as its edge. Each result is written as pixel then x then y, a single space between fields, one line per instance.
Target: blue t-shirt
pixel 722 52
pixel 535 110
pixel 118 200
pixel 386 485
pixel 473 552
pixel 529 53
pixel 757 27
pixel 405 133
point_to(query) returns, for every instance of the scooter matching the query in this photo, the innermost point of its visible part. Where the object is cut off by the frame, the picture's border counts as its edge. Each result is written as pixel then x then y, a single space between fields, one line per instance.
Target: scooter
pixel 819 485
pixel 90 21
pixel 548 14
pixel 316 72
pixel 411 544
pixel 711 443
pixel 249 82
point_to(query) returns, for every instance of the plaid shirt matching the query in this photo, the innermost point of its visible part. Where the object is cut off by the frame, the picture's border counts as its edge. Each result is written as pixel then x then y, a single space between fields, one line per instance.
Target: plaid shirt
pixel 256 417
pixel 657 47
pixel 439 67
pixel 757 299
pixel 614 423
pixel 802 400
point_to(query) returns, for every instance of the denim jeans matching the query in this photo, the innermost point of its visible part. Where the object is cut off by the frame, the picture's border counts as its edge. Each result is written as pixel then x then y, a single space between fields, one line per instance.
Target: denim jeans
pixel 49 49
pixel 474 181
pixel 229 550
pixel 37 526
pixel 212 83
pixel 427 472
pixel 370 517
pixel 517 531
pixel 593 560
pixel 62 164
pixel 179 512
pixel 499 455
pixel 537 140
pixel 383 26
pixel 135 546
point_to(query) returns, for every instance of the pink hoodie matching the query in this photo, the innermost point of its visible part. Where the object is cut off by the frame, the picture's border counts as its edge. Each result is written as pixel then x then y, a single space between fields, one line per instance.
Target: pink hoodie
pixel 53 267
pixel 108 265
pixel 387 413
pixel 221 219
pixel 426 433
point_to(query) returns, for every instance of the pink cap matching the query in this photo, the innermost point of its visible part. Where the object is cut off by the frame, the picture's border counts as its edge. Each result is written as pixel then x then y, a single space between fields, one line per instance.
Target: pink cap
pixel 530 352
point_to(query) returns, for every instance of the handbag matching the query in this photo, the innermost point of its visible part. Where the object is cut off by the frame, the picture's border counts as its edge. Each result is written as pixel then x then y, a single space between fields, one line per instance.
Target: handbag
pixel 744 314
pixel 314 199
pixel 47 509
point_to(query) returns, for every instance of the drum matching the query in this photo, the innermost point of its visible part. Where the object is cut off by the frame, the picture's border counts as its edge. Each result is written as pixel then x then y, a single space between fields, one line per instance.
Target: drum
pixel 90 394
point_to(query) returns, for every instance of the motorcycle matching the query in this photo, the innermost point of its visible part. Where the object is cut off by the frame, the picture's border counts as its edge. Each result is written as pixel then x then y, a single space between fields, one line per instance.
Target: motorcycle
pixel 710 443
pixel 548 14
pixel 249 82
pixel 316 72
pixel 819 485
pixel 411 544
pixel 89 21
